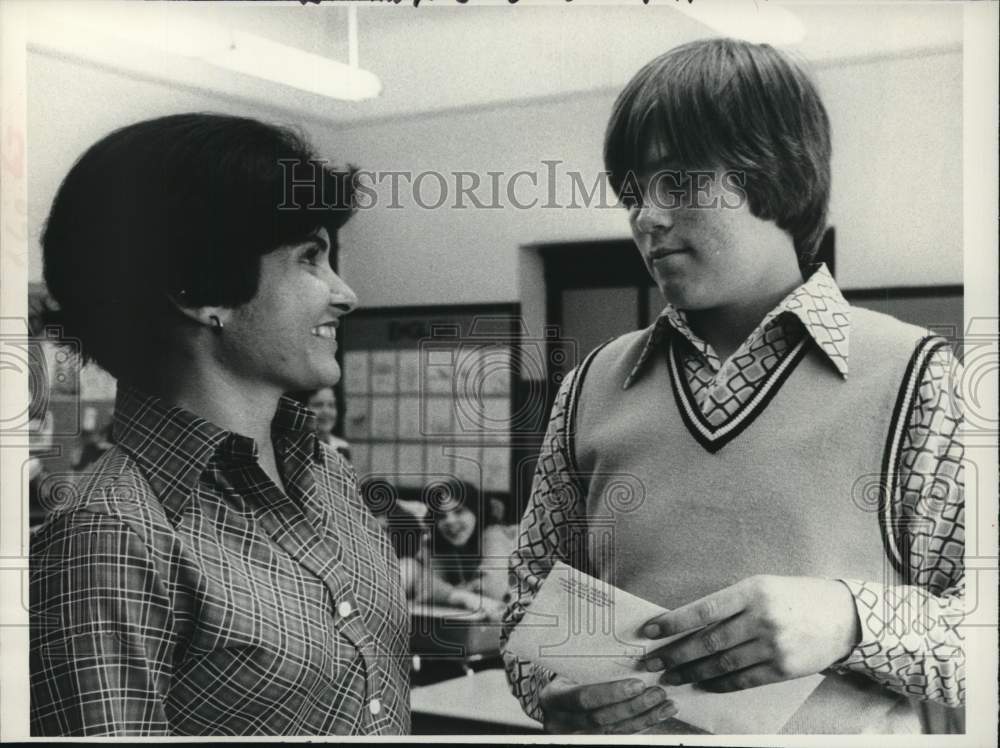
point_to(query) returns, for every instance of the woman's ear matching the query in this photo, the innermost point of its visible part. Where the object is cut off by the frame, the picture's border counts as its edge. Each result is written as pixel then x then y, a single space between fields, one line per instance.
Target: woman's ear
pixel 215 317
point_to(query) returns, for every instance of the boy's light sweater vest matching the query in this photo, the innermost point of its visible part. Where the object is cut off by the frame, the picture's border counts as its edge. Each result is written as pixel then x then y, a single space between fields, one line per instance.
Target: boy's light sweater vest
pixel 796 484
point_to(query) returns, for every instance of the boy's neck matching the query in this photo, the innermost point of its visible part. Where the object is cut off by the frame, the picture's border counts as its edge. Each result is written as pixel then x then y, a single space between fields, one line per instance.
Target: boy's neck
pixel 726 328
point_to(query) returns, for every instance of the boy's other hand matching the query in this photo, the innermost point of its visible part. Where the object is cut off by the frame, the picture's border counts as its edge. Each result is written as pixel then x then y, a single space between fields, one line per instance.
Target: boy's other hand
pixel 622 706
pixel 760 630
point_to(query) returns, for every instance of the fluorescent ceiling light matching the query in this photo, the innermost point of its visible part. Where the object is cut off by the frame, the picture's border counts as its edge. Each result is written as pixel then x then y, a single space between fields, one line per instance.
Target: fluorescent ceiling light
pixel 237 51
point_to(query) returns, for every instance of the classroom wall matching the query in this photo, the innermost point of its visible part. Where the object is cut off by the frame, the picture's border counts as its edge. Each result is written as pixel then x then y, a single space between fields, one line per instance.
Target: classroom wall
pixel 897 174
pixel 897 186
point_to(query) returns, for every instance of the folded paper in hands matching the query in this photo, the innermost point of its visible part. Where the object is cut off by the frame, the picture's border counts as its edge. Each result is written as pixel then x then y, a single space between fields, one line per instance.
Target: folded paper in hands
pixel 590 632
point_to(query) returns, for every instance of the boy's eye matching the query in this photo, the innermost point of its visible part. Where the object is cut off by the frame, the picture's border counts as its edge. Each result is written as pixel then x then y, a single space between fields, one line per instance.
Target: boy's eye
pixel 634 203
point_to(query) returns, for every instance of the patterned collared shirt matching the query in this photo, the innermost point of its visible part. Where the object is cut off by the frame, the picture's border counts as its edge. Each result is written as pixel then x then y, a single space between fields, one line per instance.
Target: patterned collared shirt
pixel 896 647
pixel 179 591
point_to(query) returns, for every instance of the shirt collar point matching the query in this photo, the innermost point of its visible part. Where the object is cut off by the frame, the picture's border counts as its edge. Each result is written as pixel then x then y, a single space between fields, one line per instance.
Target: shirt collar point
pixel 145 427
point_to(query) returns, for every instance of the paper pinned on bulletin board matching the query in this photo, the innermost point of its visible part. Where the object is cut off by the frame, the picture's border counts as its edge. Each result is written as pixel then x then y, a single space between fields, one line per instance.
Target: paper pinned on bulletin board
pixel 590 632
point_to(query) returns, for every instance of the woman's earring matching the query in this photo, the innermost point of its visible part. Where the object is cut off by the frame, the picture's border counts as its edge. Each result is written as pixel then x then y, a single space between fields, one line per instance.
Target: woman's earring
pixel 216 323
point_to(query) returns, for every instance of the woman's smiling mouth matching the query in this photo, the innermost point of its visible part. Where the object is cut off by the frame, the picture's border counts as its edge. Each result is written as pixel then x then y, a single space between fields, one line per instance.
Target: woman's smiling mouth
pixel 327 330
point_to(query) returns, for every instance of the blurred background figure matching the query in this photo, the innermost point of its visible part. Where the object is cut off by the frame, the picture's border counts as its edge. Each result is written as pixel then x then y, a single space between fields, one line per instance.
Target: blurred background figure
pixel 452 550
pixel 39 488
pixel 324 402
pixel 93 443
pixel 467 561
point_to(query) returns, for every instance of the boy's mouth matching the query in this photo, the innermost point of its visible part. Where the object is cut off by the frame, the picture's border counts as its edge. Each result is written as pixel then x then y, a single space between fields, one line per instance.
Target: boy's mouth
pixel 660 252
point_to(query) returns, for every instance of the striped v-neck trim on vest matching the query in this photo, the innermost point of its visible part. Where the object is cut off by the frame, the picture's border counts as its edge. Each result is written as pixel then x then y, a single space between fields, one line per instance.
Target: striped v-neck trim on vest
pixel 890 461
pixel 715 437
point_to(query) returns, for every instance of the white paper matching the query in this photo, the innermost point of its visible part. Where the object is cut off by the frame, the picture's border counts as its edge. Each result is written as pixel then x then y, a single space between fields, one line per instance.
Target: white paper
pixel 357 423
pixel 497 367
pixel 411 464
pixel 356 372
pixel 383 372
pixel 409 417
pixel 436 417
pixel 590 632
pixel 439 368
pixel 409 372
pixel 383 418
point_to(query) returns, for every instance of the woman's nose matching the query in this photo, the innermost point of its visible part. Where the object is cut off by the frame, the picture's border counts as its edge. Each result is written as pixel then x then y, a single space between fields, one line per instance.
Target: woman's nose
pixel 343 296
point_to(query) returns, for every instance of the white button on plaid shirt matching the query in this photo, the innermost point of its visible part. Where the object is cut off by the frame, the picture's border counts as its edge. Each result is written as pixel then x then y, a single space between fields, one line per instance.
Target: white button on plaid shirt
pixel 181 592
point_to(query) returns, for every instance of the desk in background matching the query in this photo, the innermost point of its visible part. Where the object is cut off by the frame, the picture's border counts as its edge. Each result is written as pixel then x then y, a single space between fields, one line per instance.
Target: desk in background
pixel 449 642
pixel 475 704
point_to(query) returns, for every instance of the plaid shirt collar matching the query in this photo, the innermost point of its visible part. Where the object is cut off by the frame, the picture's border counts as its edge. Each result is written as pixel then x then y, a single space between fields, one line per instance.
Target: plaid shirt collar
pixel 174 446
pixel 818 304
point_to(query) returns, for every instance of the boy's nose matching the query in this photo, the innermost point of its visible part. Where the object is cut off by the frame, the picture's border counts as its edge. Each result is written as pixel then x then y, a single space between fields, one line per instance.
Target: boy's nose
pixel 654 218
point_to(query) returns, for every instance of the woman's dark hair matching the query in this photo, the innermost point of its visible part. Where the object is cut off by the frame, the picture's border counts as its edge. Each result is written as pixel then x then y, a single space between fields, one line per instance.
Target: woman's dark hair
pixel 182 206
pixel 724 103
pixel 457 564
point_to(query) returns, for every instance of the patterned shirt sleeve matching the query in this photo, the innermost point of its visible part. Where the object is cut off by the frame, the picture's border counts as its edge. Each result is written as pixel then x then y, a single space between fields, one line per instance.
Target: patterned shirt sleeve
pixel 100 637
pixel 911 640
pixel 553 517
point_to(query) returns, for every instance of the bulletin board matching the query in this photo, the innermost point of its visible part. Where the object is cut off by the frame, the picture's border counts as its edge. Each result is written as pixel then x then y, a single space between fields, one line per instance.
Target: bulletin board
pixel 429 392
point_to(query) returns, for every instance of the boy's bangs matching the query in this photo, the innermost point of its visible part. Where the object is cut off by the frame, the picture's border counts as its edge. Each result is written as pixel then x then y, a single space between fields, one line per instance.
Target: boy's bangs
pixel 678 116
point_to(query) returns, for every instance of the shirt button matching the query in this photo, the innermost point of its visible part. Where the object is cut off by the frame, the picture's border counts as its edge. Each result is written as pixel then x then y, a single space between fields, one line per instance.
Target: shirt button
pixel 345 609
pixel 374 706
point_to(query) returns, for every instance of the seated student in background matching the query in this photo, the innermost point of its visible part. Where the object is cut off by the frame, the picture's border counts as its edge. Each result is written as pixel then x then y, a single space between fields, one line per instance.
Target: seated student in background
pixel 796 462
pixel 324 403
pixel 216 573
pixel 460 568
pixel 445 555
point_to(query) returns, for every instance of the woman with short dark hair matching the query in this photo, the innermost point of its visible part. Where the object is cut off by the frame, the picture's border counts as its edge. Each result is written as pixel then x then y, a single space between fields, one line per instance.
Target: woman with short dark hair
pixel 216 572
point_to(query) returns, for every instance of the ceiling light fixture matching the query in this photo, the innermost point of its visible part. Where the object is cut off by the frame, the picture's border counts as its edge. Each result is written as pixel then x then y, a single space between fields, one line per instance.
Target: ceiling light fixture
pixel 227 48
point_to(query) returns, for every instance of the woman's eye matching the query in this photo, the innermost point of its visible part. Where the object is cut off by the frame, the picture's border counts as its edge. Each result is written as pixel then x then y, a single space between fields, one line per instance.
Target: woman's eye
pixel 312 256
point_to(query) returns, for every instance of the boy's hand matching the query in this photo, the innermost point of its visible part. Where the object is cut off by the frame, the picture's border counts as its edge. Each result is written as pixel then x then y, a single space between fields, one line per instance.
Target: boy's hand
pixel 760 630
pixel 622 706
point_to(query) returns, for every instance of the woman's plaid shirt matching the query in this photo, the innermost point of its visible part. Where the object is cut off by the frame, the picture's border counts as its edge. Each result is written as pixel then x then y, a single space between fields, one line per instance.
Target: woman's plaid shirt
pixel 179 591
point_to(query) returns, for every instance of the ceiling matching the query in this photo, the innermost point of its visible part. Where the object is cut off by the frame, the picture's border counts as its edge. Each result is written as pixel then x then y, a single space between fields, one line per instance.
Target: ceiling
pixel 443 55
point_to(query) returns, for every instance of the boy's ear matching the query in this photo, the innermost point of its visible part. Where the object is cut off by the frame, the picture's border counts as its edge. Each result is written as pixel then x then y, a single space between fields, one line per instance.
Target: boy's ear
pixel 210 316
